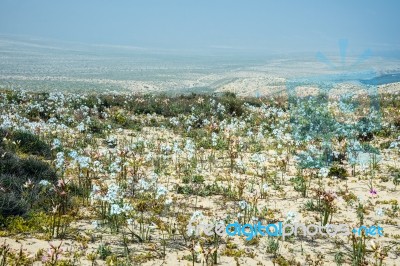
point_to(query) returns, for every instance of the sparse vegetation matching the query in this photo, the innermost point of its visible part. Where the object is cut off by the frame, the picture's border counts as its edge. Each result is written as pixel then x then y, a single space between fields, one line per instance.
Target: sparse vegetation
pixel 120 177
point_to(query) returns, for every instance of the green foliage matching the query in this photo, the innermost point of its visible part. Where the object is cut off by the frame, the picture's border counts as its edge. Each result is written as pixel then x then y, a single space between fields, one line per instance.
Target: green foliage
pixel 25 205
pixel 31 223
pixel 282 261
pixel 359 249
pixel 385 145
pixel 207 190
pixel 198 179
pixel 9 257
pixel 311 206
pixel 339 258
pixel 30 144
pixel 396 178
pixel 96 126
pixel 120 118
pixel 349 197
pixel 20 180
pixel 300 185
pixel 104 251
pixel 337 171
pixel 272 246
pixel 233 105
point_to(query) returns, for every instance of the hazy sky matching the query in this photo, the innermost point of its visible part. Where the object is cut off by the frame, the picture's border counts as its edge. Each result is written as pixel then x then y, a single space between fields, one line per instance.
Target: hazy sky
pixel 274 26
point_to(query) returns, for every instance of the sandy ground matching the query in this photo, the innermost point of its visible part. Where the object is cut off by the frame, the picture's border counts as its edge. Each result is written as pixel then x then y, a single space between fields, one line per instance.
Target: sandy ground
pixel 280 201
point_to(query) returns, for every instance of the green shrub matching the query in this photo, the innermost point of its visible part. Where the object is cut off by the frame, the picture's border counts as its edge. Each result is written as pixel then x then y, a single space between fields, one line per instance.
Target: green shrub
pixel 11 204
pixel 14 174
pixel 24 169
pixel 31 144
pixel 338 171
pixel 96 126
pixel 234 105
pixel 104 251
pixel 300 185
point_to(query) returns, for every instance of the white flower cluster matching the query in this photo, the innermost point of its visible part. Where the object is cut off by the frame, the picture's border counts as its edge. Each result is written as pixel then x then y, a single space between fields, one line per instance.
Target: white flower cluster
pixel 258 158
pixel 152 185
pixel 243 204
pixel 116 209
pixel 214 139
pixel 55 144
pixel 174 121
pixel 190 149
pixel 114 197
pixel 323 172
pixel 60 160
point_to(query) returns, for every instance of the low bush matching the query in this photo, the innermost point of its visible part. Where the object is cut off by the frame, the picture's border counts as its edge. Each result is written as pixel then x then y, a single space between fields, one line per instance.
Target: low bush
pixel 19 184
pixel 26 142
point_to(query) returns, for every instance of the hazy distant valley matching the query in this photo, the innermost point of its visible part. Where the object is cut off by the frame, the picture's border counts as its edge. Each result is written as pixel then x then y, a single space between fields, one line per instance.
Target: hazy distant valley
pixel 48 66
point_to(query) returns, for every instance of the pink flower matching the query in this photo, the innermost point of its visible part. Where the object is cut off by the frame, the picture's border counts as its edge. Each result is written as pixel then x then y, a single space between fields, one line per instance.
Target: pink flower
pixel 373 192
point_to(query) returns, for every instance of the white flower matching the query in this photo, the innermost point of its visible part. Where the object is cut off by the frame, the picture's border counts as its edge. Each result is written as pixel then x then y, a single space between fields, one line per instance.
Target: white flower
pixel 380 212
pixel 127 207
pixel 168 201
pixel 95 224
pixel 149 157
pixel 153 177
pixel 115 209
pixel 197 215
pixel 59 160
pixel 152 226
pixel 360 198
pixel 81 127
pixel 190 149
pixel 143 184
pixel 95 193
pixel 83 161
pixel 111 141
pixel 174 121
pixel 258 158
pixel 44 183
pixel 161 191
pixel 214 138
pixel 112 193
pixel 166 148
pixel 323 172
pixel 240 164
pixel 265 187
pixel 242 204
pixel 220 108
pixel 115 167
pixel 364 160
pixel 290 216
pixel 73 154
pixel 393 145
pixel 190 231
pixel 56 144
pixel 260 135
pixel 198 248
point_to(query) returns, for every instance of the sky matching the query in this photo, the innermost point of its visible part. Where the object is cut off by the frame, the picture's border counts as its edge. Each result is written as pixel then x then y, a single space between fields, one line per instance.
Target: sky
pixel 209 25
